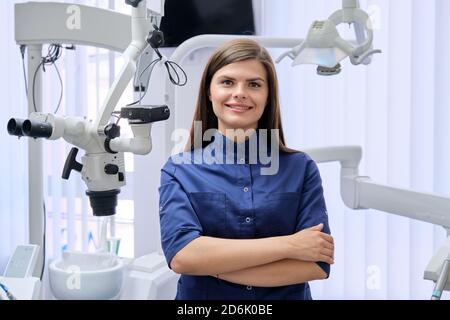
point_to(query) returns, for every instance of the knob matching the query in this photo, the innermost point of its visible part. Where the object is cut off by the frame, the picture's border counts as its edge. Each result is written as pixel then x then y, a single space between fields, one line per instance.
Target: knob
pixel 112 131
pixel 111 169
pixel 71 164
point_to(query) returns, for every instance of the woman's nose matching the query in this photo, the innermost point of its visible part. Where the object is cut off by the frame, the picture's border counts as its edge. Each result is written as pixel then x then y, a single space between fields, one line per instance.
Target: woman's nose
pixel 240 92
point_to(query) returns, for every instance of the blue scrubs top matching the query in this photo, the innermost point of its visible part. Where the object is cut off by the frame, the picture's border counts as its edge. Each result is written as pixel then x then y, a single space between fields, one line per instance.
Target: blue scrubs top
pixel 236 201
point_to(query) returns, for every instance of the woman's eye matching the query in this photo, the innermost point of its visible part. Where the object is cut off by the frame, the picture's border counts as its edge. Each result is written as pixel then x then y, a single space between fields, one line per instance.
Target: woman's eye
pixel 255 85
pixel 227 82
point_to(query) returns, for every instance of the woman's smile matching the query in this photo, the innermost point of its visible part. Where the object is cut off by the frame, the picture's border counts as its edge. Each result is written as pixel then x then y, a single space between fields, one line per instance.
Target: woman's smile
pixel 238 107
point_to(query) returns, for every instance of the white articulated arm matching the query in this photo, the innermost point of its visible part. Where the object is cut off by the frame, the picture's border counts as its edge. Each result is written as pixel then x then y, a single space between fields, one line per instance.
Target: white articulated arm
pixel 359 192
pixel 408 203
pixel 349 158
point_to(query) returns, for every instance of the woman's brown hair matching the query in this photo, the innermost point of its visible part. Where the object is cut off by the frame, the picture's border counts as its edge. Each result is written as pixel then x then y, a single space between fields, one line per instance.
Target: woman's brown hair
pixel 235 51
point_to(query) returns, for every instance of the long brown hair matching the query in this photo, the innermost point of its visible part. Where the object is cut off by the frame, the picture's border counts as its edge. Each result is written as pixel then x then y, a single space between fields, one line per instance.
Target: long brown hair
pixel 235 51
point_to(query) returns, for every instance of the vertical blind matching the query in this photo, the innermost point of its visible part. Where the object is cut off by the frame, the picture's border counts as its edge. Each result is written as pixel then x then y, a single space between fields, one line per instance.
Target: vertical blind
pixel 14 169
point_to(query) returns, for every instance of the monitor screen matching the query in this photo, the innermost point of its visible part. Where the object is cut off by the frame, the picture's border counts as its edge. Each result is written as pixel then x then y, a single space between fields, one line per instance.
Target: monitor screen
pixel 184 19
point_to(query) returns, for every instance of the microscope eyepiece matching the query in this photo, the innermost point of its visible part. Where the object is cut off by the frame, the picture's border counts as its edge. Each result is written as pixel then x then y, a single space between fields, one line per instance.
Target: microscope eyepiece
pixel 15 127
pixel 34 129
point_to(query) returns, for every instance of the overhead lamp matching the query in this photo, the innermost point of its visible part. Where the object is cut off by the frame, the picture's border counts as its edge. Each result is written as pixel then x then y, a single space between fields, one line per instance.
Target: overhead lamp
pixel 324 46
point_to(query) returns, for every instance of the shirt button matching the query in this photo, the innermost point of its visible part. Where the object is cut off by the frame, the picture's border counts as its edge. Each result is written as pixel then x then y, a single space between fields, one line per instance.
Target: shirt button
pixel 245 189
pixel 242 161
pixel 248 219
pixel 249 288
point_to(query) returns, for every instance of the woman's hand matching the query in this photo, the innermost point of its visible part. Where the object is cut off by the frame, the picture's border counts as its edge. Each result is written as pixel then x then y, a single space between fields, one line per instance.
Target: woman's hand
pixel 312 244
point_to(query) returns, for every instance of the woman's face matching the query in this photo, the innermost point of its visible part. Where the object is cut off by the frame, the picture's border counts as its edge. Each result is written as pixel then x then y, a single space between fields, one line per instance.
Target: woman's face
pixel 239 93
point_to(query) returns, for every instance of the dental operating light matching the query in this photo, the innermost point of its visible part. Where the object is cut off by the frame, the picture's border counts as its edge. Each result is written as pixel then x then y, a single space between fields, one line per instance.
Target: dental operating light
pixel 325 47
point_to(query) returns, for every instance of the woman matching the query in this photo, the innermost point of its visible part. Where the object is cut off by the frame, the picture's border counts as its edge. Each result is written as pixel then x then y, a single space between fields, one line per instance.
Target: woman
pixel 231 230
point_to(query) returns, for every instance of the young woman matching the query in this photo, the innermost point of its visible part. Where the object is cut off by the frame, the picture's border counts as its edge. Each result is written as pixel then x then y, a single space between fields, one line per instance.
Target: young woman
pixel 232 230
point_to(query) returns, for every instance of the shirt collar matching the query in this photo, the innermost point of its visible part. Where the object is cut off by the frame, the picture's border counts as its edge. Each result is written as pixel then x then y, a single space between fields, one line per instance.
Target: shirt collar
pixel 226 151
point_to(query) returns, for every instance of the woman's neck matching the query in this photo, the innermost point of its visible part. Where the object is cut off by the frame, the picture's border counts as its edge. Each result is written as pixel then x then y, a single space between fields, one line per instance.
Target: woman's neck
pixel 238 135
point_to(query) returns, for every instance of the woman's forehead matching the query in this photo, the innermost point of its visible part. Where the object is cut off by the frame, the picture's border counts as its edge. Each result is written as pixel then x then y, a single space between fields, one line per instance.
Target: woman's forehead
pixel 248 69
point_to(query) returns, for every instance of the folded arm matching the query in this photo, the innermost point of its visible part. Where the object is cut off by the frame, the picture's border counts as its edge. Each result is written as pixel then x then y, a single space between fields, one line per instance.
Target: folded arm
pixel 211 256
pixel 280 273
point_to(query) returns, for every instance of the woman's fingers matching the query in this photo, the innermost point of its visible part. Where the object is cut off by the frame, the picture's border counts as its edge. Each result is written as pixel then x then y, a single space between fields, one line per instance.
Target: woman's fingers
pixel 326 259
pixel 327 237
pixel 328 253
pixel 328 245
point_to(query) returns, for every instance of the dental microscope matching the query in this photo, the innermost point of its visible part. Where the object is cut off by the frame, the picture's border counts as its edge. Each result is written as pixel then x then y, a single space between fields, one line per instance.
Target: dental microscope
pixel 102 165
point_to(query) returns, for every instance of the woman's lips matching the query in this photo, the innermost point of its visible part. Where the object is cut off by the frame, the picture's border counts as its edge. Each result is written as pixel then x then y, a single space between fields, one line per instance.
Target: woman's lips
pixel 238 108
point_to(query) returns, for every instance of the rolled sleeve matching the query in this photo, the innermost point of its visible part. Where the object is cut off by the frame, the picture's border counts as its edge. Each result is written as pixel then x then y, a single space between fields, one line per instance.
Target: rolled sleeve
pixel 178 220
pixel 313 209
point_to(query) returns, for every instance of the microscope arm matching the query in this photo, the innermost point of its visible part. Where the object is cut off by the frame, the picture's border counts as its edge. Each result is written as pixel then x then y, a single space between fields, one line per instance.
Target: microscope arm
pixel 141 144
pixel 141 27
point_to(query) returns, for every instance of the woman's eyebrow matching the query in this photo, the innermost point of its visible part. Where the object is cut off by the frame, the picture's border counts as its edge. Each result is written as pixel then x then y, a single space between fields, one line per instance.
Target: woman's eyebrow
pixel 249 80
pixel 257 79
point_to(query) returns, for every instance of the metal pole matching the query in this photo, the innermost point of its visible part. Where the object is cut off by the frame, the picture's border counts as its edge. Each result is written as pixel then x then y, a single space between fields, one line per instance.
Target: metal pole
pixel 350 4
pixel 35 159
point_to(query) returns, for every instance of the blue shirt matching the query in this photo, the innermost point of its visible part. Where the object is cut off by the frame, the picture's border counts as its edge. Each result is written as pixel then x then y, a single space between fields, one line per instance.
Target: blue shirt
pixel 236 201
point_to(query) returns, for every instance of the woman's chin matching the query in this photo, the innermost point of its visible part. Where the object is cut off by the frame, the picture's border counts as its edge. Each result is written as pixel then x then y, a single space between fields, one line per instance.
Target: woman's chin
pixel 238 125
